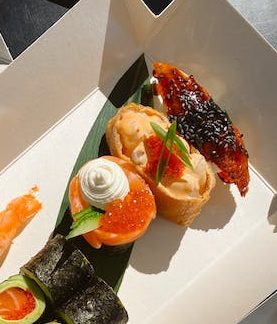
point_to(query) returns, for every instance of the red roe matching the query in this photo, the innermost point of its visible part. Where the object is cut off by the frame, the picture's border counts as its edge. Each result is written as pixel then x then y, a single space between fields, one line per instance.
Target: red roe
pixel 11 310
pixel 129 214
pixel 175 167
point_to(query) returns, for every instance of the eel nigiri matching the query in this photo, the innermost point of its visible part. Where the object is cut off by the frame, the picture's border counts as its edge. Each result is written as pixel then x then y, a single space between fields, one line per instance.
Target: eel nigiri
pixel 14 218
pixel 203 123
pixel 126 214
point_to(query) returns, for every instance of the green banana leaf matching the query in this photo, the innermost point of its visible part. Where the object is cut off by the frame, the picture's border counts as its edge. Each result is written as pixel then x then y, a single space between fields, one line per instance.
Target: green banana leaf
pixel 109 264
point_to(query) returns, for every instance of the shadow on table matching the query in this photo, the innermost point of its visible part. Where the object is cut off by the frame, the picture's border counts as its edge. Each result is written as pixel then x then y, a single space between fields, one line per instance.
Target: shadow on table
pixel 154 251
pixel 218 211
pixel 272 213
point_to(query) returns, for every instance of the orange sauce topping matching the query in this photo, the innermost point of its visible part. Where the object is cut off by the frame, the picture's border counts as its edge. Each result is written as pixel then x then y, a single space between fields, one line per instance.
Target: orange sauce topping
pixel 16 303
pixel 154 145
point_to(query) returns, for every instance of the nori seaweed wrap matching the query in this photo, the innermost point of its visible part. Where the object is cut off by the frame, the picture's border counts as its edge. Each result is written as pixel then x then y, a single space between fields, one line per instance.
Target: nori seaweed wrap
pixel 97 304
pixel 59 269
pixel 44 263
pixel 69 282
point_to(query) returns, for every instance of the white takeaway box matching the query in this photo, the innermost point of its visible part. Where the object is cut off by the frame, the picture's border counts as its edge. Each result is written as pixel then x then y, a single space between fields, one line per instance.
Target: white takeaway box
pixel 221 267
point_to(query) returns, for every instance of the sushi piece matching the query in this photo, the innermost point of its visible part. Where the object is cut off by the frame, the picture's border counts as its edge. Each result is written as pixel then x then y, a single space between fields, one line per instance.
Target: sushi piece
pixel 110 203
pixel 74 293
pixel 59 269
pixel 203 124
pixel 184 188
pixel 97 303
pixel 21 301
pixel 15 217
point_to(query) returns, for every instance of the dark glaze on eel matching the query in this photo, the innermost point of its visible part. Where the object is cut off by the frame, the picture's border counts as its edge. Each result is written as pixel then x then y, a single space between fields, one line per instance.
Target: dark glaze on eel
pixel 203 124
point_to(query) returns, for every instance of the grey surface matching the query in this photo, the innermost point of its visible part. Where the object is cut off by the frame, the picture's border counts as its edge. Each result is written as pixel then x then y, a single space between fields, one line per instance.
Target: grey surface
pixel 23 21
pixel 262 14
pixel 265 314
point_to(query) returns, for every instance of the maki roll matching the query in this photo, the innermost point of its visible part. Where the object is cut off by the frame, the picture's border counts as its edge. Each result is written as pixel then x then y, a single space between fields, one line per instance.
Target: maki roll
pixel 59 269
pixel 110 203
pixel 21 301
pixel 75 294
pixel 95 304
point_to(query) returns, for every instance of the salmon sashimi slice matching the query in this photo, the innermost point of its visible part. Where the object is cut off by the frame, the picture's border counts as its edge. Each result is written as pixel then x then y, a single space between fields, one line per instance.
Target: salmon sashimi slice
pixel 14 218
pixel 124 221
pixel 16 303
pixel 203 124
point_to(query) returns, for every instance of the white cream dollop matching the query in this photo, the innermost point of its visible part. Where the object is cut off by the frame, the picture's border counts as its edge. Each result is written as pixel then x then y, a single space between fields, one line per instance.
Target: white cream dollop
pixel 103 181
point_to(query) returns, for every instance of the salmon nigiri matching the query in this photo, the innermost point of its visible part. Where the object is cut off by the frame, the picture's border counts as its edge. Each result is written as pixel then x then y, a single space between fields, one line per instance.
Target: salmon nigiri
pixel 14 218
pixel 123 200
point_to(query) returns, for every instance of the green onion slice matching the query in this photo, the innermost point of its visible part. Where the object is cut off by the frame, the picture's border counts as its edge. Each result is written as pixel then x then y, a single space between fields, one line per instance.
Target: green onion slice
pixel 169 138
